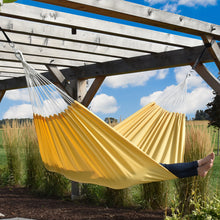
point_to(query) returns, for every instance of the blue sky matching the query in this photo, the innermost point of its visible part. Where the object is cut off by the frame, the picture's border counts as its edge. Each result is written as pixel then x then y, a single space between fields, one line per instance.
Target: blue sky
pixel 120 96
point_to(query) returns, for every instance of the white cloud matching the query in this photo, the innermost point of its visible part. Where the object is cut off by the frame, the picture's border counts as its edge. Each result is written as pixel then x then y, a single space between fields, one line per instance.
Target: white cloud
pixel 104 104
pixel 194 80
pixel 18 95
pixel 162 73
pixel 133 79
pixel 19 111
pixel 172 6
pixel 154 2
pixel 151 98
pixel 49 107
pixel 174 99
pixel 197 100
pixel 192 3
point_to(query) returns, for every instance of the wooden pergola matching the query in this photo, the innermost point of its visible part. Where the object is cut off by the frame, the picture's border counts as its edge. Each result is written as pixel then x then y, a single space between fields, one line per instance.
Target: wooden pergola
pixel 68 48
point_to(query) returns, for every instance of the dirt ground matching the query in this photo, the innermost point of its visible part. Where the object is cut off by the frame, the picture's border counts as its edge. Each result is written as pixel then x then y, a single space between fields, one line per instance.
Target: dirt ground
pixel 18 202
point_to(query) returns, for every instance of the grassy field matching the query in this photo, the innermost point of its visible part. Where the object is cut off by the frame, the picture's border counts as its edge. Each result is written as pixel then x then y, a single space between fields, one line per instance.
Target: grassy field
pixel 215 179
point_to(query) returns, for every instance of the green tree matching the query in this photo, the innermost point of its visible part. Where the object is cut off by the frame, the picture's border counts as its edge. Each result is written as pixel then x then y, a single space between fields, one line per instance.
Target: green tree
pixel 201 115
pixel 214 111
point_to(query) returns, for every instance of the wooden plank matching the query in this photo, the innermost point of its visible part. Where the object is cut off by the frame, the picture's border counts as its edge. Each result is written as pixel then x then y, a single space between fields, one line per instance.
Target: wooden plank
pixel 211 80
pixel 2 93
pixel 81 89
pixel 85 41
pixel 11 70
pixel 4 56
pixel 144 63
pixel 214 49
pixel 98 49
pixel 31 13
pixel 69 86
pixel 7 64
pixel 141 14
pixel 58 53
pixel 10 75
pixel 93 90
pixel 61 37
pixel 57 73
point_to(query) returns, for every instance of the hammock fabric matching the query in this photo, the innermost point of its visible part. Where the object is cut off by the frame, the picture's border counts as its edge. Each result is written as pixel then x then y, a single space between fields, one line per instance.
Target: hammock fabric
pixel 76 143
pixel 83 148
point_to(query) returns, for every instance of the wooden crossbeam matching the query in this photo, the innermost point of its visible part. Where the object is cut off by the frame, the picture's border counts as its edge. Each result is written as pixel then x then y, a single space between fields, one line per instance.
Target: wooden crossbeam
pixel 46 16
pixel 210 79
pixel 214 49
pixel 141 14
pixel 168 59
pixel 136 64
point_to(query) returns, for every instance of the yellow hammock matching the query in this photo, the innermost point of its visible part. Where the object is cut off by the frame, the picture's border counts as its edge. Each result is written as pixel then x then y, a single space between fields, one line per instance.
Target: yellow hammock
pixel 76 143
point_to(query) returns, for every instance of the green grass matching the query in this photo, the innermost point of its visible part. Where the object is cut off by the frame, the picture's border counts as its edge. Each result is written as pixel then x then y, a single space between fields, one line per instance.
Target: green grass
pixel 215 177
pixel 3 158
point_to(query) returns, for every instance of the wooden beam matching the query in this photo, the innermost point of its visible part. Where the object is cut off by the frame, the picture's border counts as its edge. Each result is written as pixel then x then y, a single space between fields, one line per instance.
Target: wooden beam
pixel 46 16
pixel 20 82
pixel 214 49
pixel 7 64
pixel 211 80
pixel 12 70
pixel 141 14
pixel 136 64
pixel 44 52
pixel 2 93
pixel 93 90
pixel 69 86
pixel 143 63
pixel 110 49
pixel 84 41
pixel 5 56
pixel 57 73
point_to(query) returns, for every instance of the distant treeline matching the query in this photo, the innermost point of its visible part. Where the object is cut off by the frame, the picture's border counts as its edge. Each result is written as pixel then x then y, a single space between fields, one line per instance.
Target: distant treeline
pixel 20 121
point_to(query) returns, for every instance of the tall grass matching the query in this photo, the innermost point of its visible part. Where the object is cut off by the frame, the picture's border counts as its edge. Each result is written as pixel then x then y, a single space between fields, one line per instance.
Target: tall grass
pixel 154 195
pixel 194 189
pixel 24 164
pixel 12 138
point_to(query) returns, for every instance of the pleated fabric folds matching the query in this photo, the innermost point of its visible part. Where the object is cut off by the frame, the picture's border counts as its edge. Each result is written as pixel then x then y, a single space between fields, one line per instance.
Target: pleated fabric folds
pixel 76 143
pixel 82 147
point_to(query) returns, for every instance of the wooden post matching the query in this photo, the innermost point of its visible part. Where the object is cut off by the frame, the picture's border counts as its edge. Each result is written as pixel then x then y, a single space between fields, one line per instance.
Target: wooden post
pixel 70 87
pixel 92 90
pixel 2 93
pixel 77 90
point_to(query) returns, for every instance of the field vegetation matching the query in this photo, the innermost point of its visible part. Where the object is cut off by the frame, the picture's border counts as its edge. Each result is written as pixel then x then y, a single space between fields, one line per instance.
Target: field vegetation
pixel 188 198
